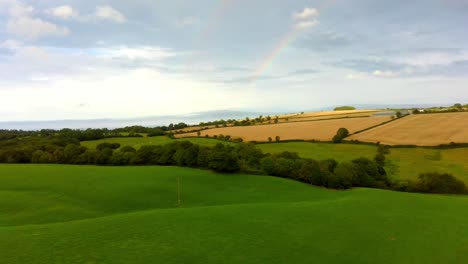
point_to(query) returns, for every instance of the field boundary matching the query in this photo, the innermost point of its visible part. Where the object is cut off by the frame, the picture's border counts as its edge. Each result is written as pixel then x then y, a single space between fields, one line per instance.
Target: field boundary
pixel 381 124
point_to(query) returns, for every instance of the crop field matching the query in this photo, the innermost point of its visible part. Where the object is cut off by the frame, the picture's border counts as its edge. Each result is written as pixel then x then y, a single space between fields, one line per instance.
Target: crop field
pixel 87 214
pixel 137 142
pixel 402 163
pixel 297 117
pixel 311 130
pixel 328 114
pixel 423 130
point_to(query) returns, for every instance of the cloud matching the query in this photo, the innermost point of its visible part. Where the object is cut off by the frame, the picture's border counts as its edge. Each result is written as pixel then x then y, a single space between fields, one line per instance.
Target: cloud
pixel 307 18
pixel 303 72
pixel 109 13
pixel 32 28
pixel 357 75
pixel 306 24
pixel 22 23
pixel 325 40
pixel 135 53
pixel 386 74
pixel 63 12
pixel 307 13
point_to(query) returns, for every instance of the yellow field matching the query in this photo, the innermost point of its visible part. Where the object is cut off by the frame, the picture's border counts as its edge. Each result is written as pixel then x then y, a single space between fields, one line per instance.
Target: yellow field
pixel 297 117
pixel 311 130
pixel 422 130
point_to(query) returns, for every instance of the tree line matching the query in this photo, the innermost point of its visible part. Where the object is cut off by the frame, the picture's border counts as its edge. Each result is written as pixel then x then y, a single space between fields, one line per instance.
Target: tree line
pixel 242 158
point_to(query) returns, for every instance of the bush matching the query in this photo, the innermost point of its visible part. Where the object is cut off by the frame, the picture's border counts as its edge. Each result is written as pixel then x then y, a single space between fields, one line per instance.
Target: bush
pixel 108 145
pixel 440 183
pixel 340 135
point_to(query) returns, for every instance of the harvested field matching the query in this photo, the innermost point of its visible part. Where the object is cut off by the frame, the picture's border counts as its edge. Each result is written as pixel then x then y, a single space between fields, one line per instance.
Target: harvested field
pixel 327 113
pixel 311 130
pixel 295 117
pixel 421 130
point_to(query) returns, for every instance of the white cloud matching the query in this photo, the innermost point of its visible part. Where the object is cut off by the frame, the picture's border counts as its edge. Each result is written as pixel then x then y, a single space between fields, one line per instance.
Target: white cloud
pixel 387 74
pixel 135 53
pixel 357 75
pixel 21 21
pixel 427 59
pixel 33 28
pixel 109 13
pixel 63 12
pixel 306 24
pixel 307 18
pixel 307 13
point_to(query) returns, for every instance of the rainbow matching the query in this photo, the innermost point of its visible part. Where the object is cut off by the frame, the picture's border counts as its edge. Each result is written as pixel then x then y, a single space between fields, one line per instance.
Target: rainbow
pixel 282 44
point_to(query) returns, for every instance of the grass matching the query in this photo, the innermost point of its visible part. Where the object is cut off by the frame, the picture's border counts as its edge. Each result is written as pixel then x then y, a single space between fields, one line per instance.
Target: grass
pixel 321 151
pixel 137 142
pixel 86 214
pixel 402 163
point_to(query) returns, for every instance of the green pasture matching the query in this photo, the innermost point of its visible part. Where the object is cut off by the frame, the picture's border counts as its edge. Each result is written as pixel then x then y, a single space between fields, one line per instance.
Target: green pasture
pixel 88 214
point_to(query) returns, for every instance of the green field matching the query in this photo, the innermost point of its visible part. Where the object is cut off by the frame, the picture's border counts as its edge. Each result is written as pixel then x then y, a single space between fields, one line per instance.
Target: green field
pixel 86 214
pixel 403 163
pixel 137 142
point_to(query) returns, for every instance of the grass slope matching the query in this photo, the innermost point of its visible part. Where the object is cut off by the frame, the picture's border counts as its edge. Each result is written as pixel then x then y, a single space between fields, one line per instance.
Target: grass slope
pixel 224 219
pixel 137 142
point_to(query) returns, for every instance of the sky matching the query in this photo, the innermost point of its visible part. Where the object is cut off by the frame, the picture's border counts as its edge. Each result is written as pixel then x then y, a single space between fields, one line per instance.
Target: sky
pixel 76 59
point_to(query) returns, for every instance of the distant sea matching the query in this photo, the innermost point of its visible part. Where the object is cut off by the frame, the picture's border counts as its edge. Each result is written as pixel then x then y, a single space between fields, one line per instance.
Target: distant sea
pixel 194 118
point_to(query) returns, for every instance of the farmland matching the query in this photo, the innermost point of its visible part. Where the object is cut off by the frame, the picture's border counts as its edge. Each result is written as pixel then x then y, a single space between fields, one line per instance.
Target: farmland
pixel 87 214
pixel 423 130
pixel 295 117
pixel 402 163
pixel 310 130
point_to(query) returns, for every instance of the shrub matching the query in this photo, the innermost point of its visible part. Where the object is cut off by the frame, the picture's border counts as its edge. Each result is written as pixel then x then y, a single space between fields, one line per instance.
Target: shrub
pixel 108 145
pixel 440 183
pixel 340 135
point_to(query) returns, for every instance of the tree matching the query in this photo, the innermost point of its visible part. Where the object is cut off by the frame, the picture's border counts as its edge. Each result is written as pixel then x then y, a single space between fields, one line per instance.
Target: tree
pixel 128 149
pixel 223 159
pixel 311 172
pixel 440 183
pixel 104 156
pixel 270 139
pixel 344 108
pixel 71 152
pixel 458 106
pixel 340 135
pixel 399 114
pixel 108 145
pixel 380 159
pixel 277 139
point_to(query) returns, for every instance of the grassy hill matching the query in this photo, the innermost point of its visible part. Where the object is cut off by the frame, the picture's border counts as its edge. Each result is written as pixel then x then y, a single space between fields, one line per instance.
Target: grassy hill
pixel 86 214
